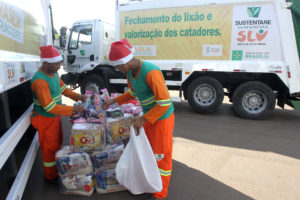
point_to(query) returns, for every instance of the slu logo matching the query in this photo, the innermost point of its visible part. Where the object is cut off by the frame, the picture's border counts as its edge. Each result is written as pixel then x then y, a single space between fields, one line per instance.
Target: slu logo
pixel 82 52
pixel 237 55
pixel 247 35
pixel 253 11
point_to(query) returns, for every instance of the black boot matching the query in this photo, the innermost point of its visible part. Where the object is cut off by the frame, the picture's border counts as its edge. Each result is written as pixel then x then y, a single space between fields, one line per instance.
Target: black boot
pixel 153 198
pixel 52 181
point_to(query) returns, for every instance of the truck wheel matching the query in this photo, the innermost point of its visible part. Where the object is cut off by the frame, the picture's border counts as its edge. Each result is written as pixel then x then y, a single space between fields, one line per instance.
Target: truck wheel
pixel 205 94
pixel 89 81
pixel 253 100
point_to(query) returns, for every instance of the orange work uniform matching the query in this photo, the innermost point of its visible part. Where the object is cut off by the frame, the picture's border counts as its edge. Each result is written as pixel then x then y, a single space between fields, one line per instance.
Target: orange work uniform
pixel 150 88
pixel 46 118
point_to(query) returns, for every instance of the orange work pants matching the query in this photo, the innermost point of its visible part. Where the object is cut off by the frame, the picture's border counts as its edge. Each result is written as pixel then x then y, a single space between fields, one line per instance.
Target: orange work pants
pixel 160 136
pixel 50 138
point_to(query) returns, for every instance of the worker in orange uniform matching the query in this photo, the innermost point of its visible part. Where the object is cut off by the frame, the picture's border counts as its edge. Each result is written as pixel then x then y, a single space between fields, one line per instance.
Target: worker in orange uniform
pixel 47 89
pixel 147 83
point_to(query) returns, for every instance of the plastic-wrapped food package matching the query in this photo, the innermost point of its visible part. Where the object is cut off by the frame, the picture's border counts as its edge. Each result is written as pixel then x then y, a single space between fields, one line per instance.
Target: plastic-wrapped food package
pixel 99 118
pixel 119 128
pixel 134 102
pixel 86 137
pixel 126 107
pixel 80 184
pixel 105 94
pixel 107 137
pixel 79 120
pixel 77 114
pixel 114 112
pixel 114 95
pixel 106 182
pixel 114 109
pixel 70 163
pixel 93 112
pixel 137 110
pixel 87 102
pixel 97 102
pixel 93 100
pixel 130 108
pixel 108 158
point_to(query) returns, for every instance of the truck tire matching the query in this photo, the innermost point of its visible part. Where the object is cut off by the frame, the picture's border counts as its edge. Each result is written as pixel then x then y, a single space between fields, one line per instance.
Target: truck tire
pixel 253 100
pixel 205 94
pixel 90 80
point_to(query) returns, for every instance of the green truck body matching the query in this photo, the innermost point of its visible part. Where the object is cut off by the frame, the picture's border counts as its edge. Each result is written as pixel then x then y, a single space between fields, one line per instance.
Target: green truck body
pixel 296 18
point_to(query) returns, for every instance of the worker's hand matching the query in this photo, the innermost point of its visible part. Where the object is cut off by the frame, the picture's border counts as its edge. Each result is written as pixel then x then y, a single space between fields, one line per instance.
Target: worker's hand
pixel 106 104
pixel 138 123
pixel 77 109
pixel 82 98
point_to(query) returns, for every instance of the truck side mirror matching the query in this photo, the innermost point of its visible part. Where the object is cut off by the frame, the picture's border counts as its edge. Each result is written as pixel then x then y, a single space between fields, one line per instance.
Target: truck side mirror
pixel 62 41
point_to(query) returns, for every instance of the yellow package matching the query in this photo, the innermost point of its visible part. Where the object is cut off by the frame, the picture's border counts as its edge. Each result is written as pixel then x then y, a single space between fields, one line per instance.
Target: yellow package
pixel 120 129
pixel 86 137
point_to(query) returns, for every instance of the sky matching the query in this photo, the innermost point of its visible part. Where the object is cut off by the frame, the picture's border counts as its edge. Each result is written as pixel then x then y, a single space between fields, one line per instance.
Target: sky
pixel 66 12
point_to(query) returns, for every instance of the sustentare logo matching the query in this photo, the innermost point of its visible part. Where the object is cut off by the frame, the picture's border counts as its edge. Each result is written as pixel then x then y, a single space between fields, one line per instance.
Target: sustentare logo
pixel 253 11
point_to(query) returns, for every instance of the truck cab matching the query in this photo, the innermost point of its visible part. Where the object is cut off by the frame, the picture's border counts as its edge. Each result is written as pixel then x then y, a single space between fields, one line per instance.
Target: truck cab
pixel 86 57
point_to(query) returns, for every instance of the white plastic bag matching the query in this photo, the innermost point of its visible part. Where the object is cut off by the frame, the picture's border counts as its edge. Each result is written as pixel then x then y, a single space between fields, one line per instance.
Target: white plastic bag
pixel 137 169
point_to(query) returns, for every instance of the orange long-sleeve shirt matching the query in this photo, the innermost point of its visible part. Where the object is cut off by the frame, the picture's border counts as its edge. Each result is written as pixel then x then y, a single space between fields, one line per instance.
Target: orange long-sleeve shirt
pixel 156 82
pixel 41 89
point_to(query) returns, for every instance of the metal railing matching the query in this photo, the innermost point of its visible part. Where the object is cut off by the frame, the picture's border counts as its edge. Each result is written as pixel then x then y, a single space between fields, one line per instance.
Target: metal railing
pixel 8 143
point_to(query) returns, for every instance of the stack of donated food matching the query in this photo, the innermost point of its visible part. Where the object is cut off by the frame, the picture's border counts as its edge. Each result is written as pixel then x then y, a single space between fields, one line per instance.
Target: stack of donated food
pixel 96 144
pixel 75 171
pixel 104 163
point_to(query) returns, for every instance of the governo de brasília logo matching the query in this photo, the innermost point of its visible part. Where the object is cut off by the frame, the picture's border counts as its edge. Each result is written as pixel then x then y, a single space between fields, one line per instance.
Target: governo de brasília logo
pixel 253 11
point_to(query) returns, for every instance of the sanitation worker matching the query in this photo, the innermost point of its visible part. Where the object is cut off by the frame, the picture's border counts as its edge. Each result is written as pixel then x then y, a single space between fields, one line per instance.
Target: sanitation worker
pixel 147 83
pixel 47 89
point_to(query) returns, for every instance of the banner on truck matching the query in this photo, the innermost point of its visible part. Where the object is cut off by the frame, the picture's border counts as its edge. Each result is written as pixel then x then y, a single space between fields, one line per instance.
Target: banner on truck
pixel 179 33
pixel 202 33
pixel 21 26
pixel 255 33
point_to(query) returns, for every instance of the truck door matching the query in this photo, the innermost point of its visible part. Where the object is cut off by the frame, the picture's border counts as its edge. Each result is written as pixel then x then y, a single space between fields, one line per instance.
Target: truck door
pixel 80 47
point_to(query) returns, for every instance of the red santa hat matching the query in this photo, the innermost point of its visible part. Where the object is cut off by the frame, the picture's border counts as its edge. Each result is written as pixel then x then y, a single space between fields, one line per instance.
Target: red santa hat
pixel 50 54
pixel 121 52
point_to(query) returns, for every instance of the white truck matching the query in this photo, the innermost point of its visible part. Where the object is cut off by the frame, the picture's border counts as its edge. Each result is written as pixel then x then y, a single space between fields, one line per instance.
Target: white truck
pixel 86 57
pixel 245 49
pixel 24 27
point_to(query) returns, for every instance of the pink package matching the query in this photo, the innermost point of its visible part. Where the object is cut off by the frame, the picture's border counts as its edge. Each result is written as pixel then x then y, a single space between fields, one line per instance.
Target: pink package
pixel 79 120
pixel 106 94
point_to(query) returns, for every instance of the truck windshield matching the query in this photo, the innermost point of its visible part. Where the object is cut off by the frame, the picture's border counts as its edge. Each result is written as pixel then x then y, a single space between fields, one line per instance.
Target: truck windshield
pixel 81 35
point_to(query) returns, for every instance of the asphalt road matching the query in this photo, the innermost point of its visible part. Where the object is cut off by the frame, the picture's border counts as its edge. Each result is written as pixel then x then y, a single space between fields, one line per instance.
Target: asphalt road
pixel 217 156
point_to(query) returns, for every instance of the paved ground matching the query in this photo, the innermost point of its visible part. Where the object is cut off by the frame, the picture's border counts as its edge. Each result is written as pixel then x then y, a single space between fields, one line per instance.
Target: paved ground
pixel 217 156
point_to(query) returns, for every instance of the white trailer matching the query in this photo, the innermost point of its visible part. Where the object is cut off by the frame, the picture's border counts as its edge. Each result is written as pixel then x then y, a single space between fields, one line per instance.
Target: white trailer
pixel 24 27
pixel 245 49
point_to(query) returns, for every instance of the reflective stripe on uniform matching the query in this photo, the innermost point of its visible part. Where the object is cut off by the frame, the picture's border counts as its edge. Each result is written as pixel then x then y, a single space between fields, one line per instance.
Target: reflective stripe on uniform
pixel 165 173
pixel 50 106
pixel 55 99
pixel 62 89
pixel 147 101
pixel 132 93
pixel 49 164
pixel 58 98
pixel 166 102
